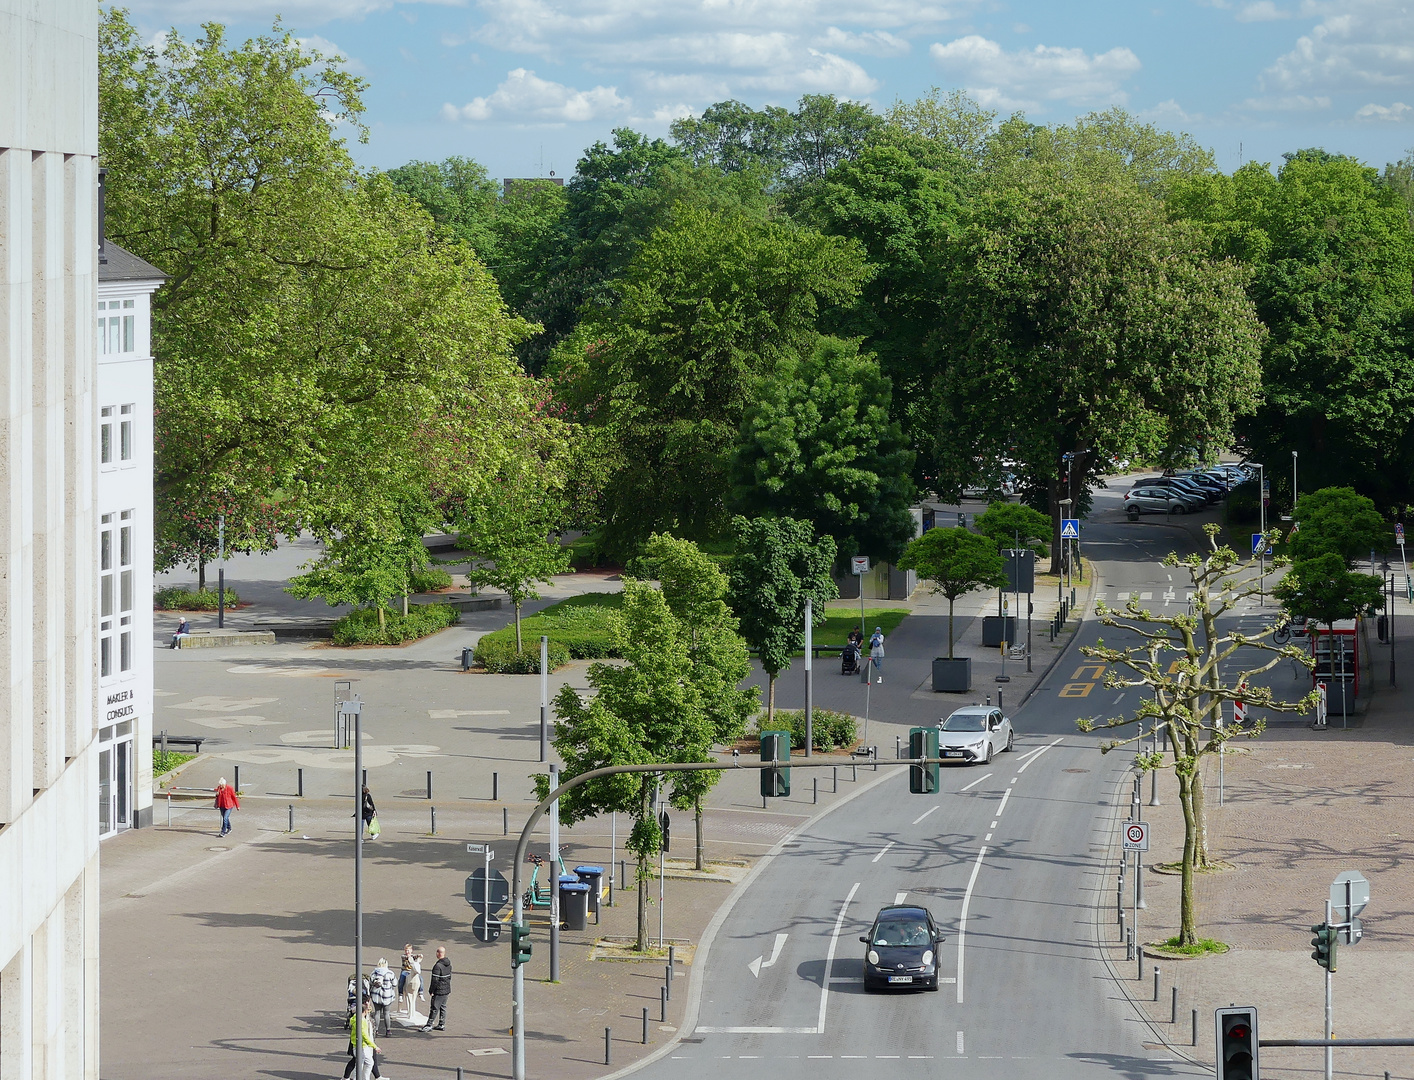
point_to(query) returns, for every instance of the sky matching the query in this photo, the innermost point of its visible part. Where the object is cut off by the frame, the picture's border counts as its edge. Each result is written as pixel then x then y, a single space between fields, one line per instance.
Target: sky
pixel 523 86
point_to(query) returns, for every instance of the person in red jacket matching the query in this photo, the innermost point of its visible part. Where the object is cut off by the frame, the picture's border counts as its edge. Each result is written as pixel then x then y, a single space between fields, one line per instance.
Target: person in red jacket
pixel 226 801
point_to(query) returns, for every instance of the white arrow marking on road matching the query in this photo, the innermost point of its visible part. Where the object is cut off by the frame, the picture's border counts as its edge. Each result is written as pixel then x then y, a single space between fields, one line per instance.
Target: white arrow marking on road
pixel 759 963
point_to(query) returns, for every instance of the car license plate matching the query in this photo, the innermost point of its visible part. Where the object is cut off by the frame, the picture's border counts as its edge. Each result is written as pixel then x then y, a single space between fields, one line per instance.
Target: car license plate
pixel 952 753
pixel 900 978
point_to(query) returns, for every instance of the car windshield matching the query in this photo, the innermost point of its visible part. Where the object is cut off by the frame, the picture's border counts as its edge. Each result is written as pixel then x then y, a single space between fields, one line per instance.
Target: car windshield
pixel 965 722
pixel 901 932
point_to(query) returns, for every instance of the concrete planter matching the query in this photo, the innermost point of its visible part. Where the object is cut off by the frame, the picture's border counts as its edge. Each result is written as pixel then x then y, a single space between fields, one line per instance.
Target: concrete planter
pixel 952 676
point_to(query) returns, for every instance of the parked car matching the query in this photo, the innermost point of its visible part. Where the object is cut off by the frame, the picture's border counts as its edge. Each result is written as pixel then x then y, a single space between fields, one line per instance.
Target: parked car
pixel 1188 493
pixel 901 948
pixel 1211 484
pixel 974 733
pixel 1153 500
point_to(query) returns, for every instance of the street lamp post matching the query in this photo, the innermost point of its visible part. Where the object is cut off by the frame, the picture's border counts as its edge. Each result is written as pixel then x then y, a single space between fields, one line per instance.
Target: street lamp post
pixel 1262 528
pixel 1293 485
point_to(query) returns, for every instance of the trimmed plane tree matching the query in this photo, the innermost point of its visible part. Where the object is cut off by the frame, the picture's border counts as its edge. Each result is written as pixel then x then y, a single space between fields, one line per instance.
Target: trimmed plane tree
pixel 1191 670
pixel 954 562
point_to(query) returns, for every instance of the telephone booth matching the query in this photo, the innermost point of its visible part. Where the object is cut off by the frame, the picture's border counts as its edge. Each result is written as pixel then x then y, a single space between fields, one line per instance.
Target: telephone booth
pixel 1337 655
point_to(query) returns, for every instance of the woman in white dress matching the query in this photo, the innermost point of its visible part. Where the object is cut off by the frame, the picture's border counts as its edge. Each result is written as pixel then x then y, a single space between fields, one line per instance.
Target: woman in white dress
pixel 412 990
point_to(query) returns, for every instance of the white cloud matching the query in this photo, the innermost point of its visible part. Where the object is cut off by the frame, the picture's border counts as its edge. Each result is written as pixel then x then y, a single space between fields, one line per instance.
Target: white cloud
pixel 525 98
pixel 1357 44
pixel 1028 77
pixel 1262 11
pixel 295 12
pixel 1168 113
pixel 873 42
pixel 1287 103
pixel 1398 111
pixel 316 44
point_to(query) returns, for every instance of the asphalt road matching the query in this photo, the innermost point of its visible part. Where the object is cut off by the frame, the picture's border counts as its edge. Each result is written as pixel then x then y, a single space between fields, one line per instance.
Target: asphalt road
pixel 1009 858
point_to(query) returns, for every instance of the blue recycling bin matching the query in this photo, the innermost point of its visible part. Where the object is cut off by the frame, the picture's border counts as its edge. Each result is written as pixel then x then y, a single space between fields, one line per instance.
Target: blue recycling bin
pixel 593 876
pixel 574 904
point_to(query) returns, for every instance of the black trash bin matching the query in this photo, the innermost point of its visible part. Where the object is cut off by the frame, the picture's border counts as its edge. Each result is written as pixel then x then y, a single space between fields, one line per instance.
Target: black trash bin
pixel 1382 626
pixel 592 876
pixel 574 904
pixel 466 659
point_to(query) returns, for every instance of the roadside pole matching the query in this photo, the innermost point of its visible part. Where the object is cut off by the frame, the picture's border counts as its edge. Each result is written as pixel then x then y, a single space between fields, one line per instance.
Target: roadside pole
pixel 544 697
pixel 1329 1059
pixel 555 878
pixel 357 709
pixel 809 675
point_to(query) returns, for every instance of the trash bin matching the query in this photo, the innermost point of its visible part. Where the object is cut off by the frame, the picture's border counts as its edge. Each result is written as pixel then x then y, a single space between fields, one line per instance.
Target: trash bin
pixel 466 659
pixel 593 876
pixel 1382 626
pixel 574 904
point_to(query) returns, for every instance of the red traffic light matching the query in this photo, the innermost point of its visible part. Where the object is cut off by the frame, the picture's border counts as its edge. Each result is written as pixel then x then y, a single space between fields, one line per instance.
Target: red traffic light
pixel 1239 1031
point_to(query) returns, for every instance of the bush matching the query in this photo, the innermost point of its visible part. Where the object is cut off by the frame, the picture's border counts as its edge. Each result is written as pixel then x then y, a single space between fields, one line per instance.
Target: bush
pixel 583 625
pixel 831 729
pixel 429 580
pixel 180 599
pixel 165 763
pixel 1244 504
pixel 498 655
pixel 361 627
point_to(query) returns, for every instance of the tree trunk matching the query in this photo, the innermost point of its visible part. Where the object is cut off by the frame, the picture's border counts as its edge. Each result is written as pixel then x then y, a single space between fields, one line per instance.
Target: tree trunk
pixel 950 603
pixel 642 872
pixel 382 617
pixel 1188 923
pixel 1200 819
pixel 700 865
pixel 519 647
pixel 405 603
pixel 200 575
pixel 770 700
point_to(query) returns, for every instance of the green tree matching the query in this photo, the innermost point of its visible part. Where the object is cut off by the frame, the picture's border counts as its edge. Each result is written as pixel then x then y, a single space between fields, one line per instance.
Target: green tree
pixel 1189 670
pixel 460 196
pixel 1005 522
pixel 818 443
pixel 707 307
pixel 954 562
pixel 826 131
pixel 953 120
pixel 778 565
pixel 648 710
pixel 734 137
pixel 1321 588
pixel 695 589
pixel 1340 521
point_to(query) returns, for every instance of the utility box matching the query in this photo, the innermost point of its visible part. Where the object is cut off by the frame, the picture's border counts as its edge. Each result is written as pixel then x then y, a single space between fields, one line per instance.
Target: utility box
pixel 998 628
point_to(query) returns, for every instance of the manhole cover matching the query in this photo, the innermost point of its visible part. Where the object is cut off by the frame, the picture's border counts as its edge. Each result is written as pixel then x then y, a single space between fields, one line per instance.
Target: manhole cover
pixel 1063 770
pixel 228 849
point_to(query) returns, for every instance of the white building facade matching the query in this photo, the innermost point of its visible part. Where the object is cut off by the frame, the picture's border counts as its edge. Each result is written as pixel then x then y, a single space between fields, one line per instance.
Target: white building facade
pixel 123 716
pixel 48 540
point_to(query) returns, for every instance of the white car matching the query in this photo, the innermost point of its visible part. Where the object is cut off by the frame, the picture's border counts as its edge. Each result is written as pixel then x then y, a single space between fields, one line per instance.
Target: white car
pixel 974 734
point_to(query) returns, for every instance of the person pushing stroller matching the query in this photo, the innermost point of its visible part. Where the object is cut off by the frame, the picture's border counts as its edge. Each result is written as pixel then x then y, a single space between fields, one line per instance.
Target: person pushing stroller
pixel 849 658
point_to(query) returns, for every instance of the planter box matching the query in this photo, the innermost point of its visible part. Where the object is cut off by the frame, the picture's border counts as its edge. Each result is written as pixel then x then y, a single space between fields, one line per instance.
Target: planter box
pixel 952 676
pixel 996 629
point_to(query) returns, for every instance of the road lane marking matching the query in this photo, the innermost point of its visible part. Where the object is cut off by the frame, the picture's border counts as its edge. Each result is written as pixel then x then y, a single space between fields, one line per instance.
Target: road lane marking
pixel 959 1042
pixel 885 848
pixel 760 962
pixel 916 820
pixel 1080 676
pixel 1076 689
pixel 1030 753
pixel 897 900
pixel 962 918
pixel 830 960
pixel 1002 805
pixel 757 1030
pixel 993 825
pixel 1146 596
pixel 986 839
pixel 974 783
pixel 1038 755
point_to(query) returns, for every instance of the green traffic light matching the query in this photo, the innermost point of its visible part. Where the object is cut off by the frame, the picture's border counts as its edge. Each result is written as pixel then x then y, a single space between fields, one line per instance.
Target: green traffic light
pixel 923 743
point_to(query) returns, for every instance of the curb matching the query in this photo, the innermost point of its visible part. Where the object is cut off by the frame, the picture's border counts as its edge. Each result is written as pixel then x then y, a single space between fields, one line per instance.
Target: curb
pixel 694 988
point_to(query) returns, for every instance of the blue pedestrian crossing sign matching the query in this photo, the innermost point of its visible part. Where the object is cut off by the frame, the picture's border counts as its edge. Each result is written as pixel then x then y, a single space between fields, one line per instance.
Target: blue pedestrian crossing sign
pixel 1257 539
pixel 1070 528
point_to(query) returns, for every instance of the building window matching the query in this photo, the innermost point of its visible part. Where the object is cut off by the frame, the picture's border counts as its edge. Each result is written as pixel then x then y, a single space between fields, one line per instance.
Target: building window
pixel 115 593
pixel 117 326
pixel 125 433
pixel 105 436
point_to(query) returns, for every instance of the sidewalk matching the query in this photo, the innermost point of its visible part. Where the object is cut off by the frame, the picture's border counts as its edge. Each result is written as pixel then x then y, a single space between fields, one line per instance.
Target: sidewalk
pixel 1298 807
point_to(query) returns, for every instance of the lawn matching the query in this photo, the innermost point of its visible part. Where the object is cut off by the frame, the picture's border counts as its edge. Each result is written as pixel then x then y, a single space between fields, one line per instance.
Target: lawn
pixel 840 621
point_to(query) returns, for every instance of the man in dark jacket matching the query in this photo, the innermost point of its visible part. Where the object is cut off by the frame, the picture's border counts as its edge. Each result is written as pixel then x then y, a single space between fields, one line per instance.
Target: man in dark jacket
pixel 439 987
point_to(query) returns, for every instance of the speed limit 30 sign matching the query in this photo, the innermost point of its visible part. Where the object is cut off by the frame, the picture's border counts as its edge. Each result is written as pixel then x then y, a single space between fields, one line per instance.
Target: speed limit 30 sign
pixel 1136 836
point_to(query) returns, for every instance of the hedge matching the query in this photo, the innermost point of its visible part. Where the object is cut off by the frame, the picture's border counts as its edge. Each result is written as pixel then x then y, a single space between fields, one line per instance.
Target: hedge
pixel 361 627
pixel 831 729
pixel 429 580
pixel 499 657
pixel 582 625
pixel 180 599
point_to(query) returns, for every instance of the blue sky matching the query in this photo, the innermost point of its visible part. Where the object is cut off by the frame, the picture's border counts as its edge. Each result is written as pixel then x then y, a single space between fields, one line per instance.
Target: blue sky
pixel 524 85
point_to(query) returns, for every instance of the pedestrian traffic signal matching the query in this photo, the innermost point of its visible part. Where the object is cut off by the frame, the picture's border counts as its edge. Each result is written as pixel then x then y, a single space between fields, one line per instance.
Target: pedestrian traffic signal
pixel 520 945
pixel 1237 1043
pixel 1323 945
pixel 664 830
pixel 923 743
pixel 775 746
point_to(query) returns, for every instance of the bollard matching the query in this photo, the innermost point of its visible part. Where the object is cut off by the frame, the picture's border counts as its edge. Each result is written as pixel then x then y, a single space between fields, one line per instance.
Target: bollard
pixel 505 821
pixel 606 1043
pixel 429 785
pixel 835 779
pixel 1195 1028
pixel 1156 983
pixel 668 982
pixel 1123 936
pixel 1138 948
pixel 459 1068
pixel 169 823
pixel 814 789
pixel 1129 944
pixel 672 958
pixel 623 876
pixel 999 700
pixel 300 789
pixel 645 1025
pixel 238 779
pixel 854 771
pixel 434 821
pixel 898 747
pixel 292 823
pixel 495 788
pixel 1173 1008
pixel 662 1004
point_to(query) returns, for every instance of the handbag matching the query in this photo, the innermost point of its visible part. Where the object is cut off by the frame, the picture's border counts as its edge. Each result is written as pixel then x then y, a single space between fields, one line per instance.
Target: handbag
pixel 374 829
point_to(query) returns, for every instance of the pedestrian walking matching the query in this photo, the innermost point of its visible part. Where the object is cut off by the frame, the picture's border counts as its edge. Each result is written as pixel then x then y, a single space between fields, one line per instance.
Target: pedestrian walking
pixel 362 1045
pixel 226 801
pixel 441 988
pixel 384 994
pixel 370 814
pixel 876 651
pixel 182 630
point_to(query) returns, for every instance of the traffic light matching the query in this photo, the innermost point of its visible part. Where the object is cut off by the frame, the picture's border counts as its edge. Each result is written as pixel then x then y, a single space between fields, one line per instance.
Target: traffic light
pixel 665 827
pixel 520 945
pixel 1237 1044
pixel 775 746
pixel 1323 945
pixel 923 779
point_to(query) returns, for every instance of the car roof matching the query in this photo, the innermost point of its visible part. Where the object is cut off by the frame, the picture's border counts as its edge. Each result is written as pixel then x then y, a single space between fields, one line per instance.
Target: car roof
pixel 971 710
pixel 891 910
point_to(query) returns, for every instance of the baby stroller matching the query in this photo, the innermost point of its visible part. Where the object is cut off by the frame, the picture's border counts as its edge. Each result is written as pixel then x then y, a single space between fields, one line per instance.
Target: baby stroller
pixel 849 659
pixel 353 995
